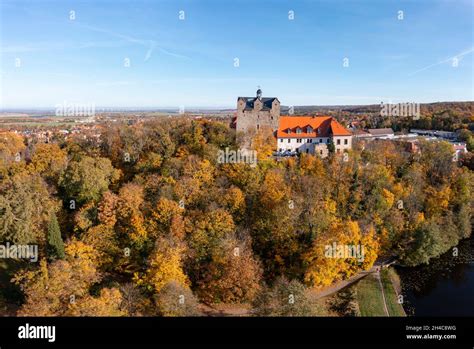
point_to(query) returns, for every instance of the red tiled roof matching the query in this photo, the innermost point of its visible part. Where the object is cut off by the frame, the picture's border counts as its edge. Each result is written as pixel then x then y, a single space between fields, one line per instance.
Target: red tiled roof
pixel 322 126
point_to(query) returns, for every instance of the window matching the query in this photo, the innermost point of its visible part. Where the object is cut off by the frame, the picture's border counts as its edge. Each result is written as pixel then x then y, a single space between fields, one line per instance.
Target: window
pixel 258 127
pixel 320 140
pixel 298 130
pixel 309 129
pixel 298 140
pixel 307 151
pixel 281 140
pixel 288 131
pixel 338 141
pixel 288 140
pixel 309 140
pixel 327 141
pixel 345 141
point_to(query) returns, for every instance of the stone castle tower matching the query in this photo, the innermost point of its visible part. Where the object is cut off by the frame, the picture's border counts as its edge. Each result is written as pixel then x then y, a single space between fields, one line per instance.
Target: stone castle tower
pixel 254 113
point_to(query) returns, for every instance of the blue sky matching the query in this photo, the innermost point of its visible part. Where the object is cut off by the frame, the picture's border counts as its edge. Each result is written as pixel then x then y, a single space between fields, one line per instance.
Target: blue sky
pixel 191 62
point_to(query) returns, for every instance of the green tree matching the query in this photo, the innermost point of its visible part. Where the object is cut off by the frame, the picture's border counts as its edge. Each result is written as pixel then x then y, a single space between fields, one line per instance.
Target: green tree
pixel 55 241
pixel 331 147
pixel 176 299
pixel 25 208
pixel 87 179
pixel 287 298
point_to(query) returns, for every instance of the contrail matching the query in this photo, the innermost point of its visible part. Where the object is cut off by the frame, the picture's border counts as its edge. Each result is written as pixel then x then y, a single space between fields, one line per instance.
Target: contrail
pixel 444 61
pixel 150 44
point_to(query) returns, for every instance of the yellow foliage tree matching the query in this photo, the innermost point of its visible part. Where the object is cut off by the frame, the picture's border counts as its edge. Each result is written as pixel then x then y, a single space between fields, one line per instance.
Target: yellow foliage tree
pixel 164 212
pixel 107 304
pixel 164 266
pixel 51 289
pixel 130 220
pixel 274 189
pixel 48 160
pixel 339 253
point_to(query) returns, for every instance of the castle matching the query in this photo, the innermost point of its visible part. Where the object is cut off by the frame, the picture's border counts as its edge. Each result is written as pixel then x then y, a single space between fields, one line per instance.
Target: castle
pixel 294 134
pixel 255 113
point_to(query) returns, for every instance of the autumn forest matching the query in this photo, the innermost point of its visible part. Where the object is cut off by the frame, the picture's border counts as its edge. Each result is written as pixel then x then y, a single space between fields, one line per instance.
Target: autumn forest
pixel 144 221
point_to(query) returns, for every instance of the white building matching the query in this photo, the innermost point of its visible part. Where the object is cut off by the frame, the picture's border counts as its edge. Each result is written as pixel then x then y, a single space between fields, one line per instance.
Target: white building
pixel 312 134
pixel 381 133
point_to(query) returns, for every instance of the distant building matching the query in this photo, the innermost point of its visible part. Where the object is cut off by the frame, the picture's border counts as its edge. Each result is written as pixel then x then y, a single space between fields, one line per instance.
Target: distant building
pixel 357 133
pixel 255 113
pixel 459 148
pixel 409 145
pixel 381 132
pixel 312 134
pixel 435 133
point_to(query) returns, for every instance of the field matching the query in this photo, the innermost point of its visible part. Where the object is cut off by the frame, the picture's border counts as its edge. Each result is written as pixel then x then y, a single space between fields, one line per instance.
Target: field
pixel 370 299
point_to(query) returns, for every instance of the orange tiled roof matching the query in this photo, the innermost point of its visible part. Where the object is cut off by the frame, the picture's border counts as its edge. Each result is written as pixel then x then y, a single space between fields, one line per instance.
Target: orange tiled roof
pixel 322 126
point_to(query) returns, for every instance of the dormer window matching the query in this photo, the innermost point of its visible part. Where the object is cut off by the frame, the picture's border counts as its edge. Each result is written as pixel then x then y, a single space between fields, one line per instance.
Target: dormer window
pixel 298 130
pixel 309 129
pixel 288 131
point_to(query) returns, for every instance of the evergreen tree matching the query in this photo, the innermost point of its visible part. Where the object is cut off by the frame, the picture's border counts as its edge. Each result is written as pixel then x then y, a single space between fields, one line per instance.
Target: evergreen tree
pixel 55 242
pixel 331 147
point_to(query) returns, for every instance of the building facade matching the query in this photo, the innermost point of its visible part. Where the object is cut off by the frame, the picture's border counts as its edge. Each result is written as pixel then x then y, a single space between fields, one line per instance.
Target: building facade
pixel 255 113
pixel 312 134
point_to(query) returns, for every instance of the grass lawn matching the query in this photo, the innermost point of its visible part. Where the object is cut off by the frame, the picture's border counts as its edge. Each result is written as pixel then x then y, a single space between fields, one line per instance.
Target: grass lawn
pixel 394 308
pixel 369 297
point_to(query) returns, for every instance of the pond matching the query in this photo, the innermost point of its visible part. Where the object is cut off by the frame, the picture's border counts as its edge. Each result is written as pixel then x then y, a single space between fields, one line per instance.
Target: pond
pixel 445 287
